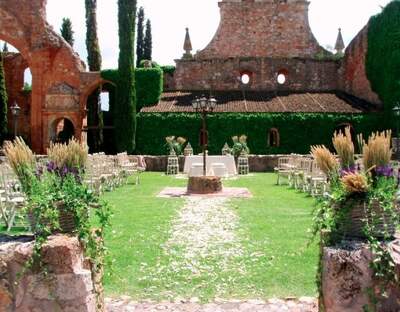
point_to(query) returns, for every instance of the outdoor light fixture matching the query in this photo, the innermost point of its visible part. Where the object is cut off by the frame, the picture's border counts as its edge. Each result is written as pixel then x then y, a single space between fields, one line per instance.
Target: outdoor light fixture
pixel 204 106
pixel 15 110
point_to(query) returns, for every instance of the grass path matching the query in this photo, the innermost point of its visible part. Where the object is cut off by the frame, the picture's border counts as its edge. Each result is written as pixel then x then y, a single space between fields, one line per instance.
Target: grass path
pixel 247 248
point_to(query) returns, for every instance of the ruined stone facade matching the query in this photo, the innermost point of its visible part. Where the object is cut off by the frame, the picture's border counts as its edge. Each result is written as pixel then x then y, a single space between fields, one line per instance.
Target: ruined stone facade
pixel 60 84
pixel 268 38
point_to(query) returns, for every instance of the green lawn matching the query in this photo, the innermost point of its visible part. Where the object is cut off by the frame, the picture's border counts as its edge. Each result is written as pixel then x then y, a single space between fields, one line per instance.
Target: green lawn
pixel 274 222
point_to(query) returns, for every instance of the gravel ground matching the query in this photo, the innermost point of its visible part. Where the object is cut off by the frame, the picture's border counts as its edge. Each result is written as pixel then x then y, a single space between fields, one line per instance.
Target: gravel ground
pixel 273 305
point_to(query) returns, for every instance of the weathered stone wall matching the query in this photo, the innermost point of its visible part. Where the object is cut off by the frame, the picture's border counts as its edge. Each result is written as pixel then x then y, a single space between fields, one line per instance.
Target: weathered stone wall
pixel 262 28
pixel 14 69
pixel 67 288
pixel 347 278
pixel 224 74
pixel 353 76
pixel 257 163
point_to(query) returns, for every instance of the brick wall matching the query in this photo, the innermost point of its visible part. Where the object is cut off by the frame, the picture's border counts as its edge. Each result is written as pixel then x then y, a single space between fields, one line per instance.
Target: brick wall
pixel 222 74
pixel 353 72
pixel 262 28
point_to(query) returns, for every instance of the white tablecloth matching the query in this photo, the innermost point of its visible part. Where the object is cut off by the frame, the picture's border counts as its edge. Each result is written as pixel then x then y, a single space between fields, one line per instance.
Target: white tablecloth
pixel 228 161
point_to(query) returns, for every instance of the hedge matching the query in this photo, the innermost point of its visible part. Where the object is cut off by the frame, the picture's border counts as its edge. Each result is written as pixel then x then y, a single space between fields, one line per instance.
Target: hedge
pixel 149 84
pixel 297 130
pixel 383 57
pixel 168 69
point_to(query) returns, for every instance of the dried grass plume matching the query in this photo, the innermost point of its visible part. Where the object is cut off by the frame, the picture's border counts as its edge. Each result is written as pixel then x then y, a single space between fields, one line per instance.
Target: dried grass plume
pixel 377 152
pixel 71 155
pixel 355 183
pixel 344 147
pixel 326 161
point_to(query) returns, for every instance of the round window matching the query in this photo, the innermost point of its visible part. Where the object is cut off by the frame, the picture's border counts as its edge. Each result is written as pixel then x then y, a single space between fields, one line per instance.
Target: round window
pixel 281 79
pixel 245 78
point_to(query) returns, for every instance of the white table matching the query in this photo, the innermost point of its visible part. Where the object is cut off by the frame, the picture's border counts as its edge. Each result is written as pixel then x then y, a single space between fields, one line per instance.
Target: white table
pixel 195 161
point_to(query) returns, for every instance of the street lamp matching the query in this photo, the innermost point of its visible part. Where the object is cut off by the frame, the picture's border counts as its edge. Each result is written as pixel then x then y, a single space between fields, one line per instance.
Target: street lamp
pixel 15 110
pixel 204 106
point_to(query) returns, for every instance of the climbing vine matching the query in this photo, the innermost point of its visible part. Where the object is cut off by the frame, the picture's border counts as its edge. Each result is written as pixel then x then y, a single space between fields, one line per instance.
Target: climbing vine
pixel 383 57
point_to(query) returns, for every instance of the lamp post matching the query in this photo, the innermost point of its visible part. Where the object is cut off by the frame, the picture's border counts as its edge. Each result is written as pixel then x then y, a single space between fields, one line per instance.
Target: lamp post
pixel 15 110
pixel 204 106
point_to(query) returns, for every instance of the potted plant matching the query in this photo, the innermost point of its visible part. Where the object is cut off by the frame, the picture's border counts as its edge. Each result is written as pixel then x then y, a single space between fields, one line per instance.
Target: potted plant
pixel 239 146
pixel 57 199
pixel 175 145
pixel 361 203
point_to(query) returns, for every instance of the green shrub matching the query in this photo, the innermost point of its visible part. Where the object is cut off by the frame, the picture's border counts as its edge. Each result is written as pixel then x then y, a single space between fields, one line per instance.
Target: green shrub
pixel 149 88
pixel 383 57
pixel 149 84
pixel 297 130
pixel 168 69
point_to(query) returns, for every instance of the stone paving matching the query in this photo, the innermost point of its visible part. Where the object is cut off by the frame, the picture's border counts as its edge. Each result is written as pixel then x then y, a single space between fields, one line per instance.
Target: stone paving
pixel 227 192
pixel 125 304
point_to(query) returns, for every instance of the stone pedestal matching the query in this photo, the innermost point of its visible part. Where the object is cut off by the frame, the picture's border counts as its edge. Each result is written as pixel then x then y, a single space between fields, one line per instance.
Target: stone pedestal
pixel 204 185
pixel 347 278
pixel 67 287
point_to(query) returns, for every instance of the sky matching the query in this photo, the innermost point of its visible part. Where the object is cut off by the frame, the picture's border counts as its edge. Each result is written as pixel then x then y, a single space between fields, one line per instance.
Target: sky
pixel 170 18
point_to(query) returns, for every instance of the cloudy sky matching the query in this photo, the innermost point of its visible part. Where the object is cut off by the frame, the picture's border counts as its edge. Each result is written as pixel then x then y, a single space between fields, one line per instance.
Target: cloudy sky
pixel 169 19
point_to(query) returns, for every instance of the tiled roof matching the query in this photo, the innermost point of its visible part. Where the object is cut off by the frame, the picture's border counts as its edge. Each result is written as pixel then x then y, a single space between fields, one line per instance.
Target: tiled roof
pixel 262 102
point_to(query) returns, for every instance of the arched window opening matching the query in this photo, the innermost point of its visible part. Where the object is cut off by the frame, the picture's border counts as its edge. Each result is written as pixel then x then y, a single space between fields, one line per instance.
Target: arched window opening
pixel 27 80
pixel 273 137
pixel 63 130
pixel 16 74
pixel 99 122
pixel 341 129
pixel 105 101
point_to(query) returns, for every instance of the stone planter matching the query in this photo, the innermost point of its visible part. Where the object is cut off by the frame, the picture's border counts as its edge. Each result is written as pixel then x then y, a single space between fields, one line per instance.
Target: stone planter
pixel 204 185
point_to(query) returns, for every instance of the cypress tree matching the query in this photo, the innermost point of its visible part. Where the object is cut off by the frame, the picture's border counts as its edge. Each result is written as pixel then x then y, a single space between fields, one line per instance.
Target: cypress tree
pixel 140 37
pixel 5 47
pixel 148 42
pixel 66 31
pixel 95 120
pixel 125 106
pixel 3 102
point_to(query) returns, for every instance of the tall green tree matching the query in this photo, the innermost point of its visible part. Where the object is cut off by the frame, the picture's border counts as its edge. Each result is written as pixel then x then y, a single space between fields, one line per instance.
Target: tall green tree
pixel 140 37
pixel 66 31
pixel 95 118
pixel 148 42
pixel 3 102
pixel 125 107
